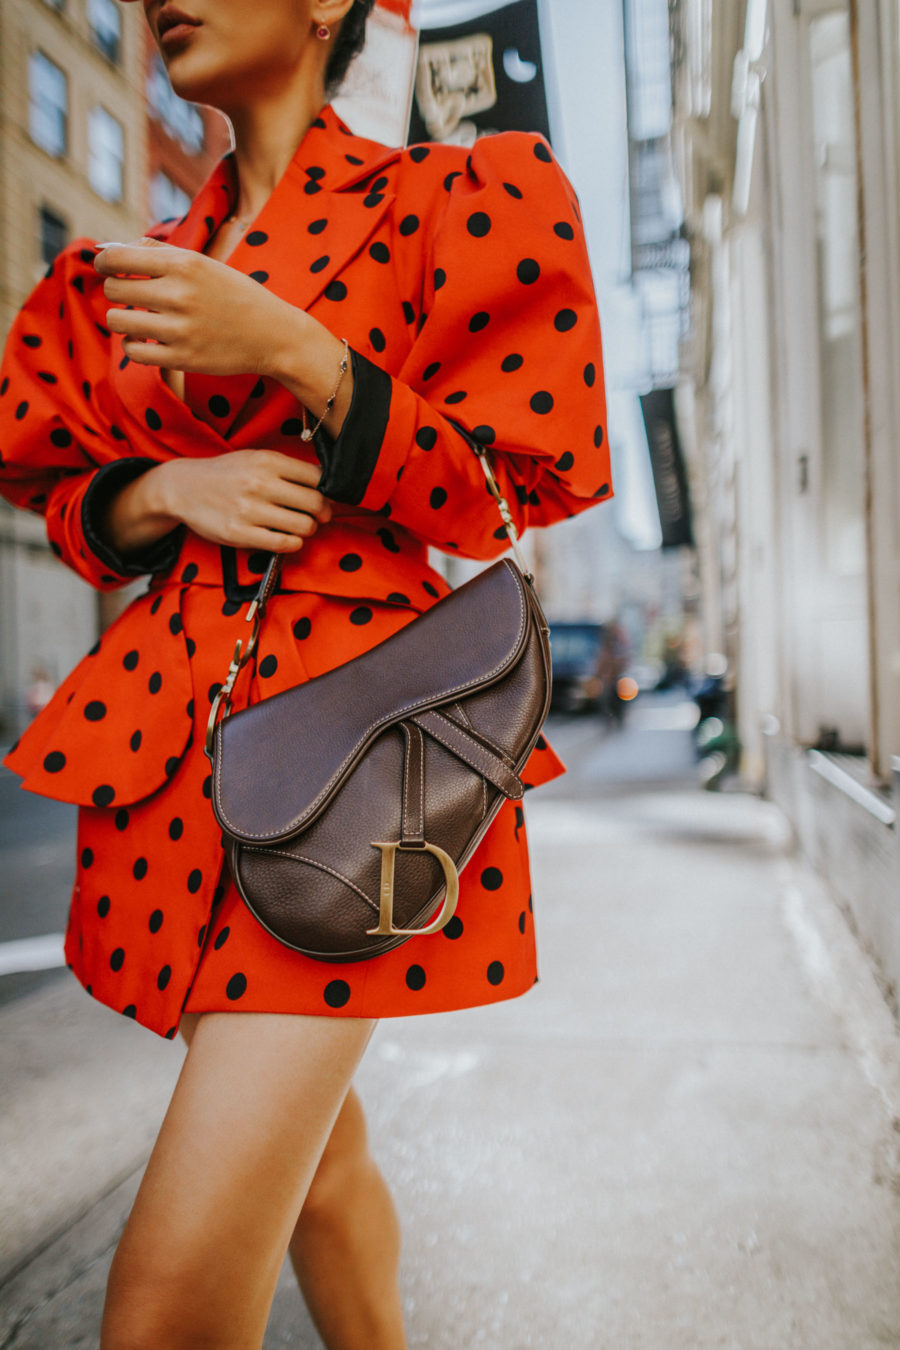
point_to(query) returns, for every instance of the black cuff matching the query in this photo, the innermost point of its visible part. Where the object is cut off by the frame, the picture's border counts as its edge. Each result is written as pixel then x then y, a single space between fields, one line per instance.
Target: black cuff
pixel 349 462
pixel 105 484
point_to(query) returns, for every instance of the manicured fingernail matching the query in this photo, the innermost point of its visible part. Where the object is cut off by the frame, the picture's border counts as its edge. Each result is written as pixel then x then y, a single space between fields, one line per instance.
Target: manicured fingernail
pixel 109 243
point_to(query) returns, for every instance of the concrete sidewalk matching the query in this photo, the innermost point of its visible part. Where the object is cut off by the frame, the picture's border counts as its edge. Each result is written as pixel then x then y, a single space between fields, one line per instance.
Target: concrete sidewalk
pixel 686 1137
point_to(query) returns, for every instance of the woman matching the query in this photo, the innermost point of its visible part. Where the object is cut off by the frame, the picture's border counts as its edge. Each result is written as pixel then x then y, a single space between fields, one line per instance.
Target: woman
pixel 152 403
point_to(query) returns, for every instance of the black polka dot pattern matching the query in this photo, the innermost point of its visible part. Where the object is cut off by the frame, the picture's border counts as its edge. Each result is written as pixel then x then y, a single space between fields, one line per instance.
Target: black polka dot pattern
pixel 336 993
pixel 495 328
pixel 236 987
pixel 415 978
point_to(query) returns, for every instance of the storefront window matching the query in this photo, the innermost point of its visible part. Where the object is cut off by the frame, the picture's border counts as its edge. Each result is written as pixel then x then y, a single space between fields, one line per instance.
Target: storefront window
pixel 837 253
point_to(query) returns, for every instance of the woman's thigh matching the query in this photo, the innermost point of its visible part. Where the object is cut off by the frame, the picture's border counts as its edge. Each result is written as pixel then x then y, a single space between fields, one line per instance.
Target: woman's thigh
pixel 248 1121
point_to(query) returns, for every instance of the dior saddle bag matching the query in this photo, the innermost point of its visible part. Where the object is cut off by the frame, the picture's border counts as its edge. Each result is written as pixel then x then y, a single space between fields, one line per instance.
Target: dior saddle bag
pixel 351 803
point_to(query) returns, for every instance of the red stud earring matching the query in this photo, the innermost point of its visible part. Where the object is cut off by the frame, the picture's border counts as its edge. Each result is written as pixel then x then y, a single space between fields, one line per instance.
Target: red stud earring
pixel 323 32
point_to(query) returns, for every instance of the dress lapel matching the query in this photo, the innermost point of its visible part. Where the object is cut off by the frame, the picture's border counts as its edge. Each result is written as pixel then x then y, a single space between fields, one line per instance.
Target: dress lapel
pixel 308 230
pixel 313 224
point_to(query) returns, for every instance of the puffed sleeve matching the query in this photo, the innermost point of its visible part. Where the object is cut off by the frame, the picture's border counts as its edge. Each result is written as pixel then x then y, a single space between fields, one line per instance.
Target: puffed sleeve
pixel 60 456
pixel 508 348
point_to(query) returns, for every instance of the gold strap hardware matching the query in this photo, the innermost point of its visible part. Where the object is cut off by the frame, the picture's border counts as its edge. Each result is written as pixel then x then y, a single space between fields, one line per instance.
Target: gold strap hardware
pixel 386 911
pixel 503 506
pixel 221 705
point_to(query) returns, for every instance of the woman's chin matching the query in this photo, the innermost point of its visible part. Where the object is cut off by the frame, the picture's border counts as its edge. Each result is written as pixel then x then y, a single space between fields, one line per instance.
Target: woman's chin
pixel 193 80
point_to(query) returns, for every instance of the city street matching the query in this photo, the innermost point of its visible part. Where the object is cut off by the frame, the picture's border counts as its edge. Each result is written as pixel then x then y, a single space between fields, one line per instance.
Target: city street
pixel 687 1137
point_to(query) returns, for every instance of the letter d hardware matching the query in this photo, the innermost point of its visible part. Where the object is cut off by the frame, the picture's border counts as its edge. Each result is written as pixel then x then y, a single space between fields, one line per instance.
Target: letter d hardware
pixel 386 913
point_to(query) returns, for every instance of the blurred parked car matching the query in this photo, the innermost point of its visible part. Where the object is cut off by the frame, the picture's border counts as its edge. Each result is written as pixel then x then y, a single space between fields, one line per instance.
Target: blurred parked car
pixel 575 649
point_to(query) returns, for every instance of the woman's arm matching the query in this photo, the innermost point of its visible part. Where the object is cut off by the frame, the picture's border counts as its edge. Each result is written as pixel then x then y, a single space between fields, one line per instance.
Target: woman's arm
pixel 257 499
pixel 192 313
pixel 508 347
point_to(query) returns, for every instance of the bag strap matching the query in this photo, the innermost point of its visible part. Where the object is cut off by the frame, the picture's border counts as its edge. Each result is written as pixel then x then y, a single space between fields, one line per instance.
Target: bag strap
pixel 256 612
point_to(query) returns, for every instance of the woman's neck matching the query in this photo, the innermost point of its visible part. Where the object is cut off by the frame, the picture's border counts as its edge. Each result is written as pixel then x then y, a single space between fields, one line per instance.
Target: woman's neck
pixel 266 136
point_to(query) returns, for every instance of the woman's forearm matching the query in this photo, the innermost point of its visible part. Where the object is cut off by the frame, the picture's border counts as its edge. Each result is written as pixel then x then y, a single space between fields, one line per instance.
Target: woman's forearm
pixel 142 512
pixel 303 356
pixel 306 358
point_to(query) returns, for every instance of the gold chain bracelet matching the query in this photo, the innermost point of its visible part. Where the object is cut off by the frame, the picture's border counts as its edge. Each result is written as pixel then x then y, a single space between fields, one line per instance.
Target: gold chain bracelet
pixel 307 433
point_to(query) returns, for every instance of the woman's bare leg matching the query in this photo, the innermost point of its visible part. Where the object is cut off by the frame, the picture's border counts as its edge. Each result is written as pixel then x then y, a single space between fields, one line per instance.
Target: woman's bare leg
pixel 248 1122
pixel 346 1246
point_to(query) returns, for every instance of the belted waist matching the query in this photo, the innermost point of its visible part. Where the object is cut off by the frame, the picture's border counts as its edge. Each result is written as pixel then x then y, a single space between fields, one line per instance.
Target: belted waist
pixel 340 560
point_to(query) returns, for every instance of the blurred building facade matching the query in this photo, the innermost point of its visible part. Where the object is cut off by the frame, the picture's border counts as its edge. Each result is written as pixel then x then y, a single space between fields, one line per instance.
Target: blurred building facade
pixel 91 146
pixel 787 139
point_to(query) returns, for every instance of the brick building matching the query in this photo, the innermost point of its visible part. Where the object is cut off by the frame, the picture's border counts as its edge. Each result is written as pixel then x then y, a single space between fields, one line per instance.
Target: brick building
pixel 92 143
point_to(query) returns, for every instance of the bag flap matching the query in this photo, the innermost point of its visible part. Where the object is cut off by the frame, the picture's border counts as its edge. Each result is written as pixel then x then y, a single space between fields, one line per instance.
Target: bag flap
pixel 278 762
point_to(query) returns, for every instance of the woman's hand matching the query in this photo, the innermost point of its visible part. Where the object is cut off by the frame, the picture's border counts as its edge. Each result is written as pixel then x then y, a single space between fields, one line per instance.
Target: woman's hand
pixel 190 312
pixel 257 499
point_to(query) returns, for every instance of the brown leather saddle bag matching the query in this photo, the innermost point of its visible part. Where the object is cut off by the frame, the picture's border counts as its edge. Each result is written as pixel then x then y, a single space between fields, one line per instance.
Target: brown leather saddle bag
pixel 351 803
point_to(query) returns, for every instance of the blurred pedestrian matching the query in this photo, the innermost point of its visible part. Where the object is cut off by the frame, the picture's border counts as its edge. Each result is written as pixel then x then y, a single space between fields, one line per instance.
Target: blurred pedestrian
pixel 277 371
pixel 611 667
pixel 39 691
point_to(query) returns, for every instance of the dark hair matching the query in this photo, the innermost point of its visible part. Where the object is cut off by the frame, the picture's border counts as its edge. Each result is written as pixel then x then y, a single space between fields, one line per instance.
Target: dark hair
pixel 349 43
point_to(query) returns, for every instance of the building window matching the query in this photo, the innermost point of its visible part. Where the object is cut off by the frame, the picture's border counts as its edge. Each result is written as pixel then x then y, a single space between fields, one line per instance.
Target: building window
pixel 106 152
pixel 54 233
pixel 106 27
pixel 48 93
pixel 181 120
pixel 837 254
pixel 166 198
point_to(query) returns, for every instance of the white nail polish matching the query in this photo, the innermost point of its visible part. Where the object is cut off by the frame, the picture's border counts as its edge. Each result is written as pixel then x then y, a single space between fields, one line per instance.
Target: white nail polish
pixel 109 243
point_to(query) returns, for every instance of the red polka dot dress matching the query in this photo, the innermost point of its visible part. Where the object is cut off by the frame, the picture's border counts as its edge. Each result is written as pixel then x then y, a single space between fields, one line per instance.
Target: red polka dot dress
pixel 462 285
